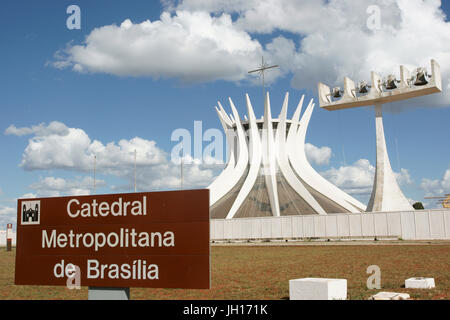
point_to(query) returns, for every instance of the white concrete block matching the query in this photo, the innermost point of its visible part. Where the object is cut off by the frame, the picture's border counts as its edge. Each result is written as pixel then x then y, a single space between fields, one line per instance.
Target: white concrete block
pixel 390 296
pixel 420 283
pixel 318 289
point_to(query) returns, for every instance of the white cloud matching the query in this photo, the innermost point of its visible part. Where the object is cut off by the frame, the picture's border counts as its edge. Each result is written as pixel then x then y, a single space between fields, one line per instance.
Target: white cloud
pixel 403 177
pixel 359 177
pixel 55 187
pixel 197 40
pixel 437 187
pixel 320 156
pixel 169 176
pixel 354 179
pixel 190 46
pixel 75 151
pixel 332 38
pixel 270 15
pixel 7 210
pixel 54 128
pixel 351 49
pixel 7 215
pixel 28 196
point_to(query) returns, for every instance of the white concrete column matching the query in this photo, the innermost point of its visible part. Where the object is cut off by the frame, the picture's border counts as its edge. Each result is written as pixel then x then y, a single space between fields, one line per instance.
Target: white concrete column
pixel 269 158
pixel 386 194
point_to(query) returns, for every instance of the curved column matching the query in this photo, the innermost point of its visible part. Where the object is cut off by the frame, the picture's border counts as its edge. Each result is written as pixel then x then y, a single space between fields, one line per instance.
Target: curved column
pixel 230 135
pixel 296 145
pixel 216 186
pixel 386 194
pixel 225 117
pixel 220 187
pixel 296 118
pixel 283 162
pixel 255 162
pixel 269 162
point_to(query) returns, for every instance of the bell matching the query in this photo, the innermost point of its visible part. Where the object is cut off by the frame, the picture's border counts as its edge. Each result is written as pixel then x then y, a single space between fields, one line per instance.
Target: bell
pixel 390 82
pixel 337 92
pixel 363 87
pixel 421 78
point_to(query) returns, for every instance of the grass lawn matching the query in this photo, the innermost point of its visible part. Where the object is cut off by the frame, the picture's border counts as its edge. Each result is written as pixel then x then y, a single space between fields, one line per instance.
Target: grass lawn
pixel 263 272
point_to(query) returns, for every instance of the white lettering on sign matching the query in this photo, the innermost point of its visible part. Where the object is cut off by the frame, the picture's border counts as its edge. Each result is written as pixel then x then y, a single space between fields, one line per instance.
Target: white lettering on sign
pixel 103 209
pixel 61 270
pixel 137 270
pixel 123 239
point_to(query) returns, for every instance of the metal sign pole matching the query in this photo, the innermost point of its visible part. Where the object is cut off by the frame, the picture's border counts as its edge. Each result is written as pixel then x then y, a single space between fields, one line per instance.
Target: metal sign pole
pixel 135 154
pixel 100 293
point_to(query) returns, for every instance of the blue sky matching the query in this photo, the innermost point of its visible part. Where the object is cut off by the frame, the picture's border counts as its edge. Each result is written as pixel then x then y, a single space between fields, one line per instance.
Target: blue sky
pixel 199 53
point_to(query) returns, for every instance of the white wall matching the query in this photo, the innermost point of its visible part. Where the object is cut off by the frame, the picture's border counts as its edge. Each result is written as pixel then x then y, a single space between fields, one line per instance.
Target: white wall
pixel 408 225
pixel 3 238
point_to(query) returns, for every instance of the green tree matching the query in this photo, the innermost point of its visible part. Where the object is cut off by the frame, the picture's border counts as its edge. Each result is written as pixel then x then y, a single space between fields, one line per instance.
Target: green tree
pixel 418 206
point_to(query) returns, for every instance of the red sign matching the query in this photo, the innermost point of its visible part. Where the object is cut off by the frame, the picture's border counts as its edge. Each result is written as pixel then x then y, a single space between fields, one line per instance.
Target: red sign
pixel 154 240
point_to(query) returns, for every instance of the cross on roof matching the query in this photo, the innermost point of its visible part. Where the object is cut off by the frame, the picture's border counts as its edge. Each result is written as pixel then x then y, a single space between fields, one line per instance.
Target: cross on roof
pixel 262 68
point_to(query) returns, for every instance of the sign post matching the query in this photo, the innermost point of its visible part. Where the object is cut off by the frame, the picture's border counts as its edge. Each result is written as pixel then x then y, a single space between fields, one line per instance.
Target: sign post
pixel 97 293
pixel 113 242
pixel 9 237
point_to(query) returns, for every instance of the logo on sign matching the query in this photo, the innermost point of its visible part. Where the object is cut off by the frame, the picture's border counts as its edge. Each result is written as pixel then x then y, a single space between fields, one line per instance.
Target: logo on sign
pixel 31 212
